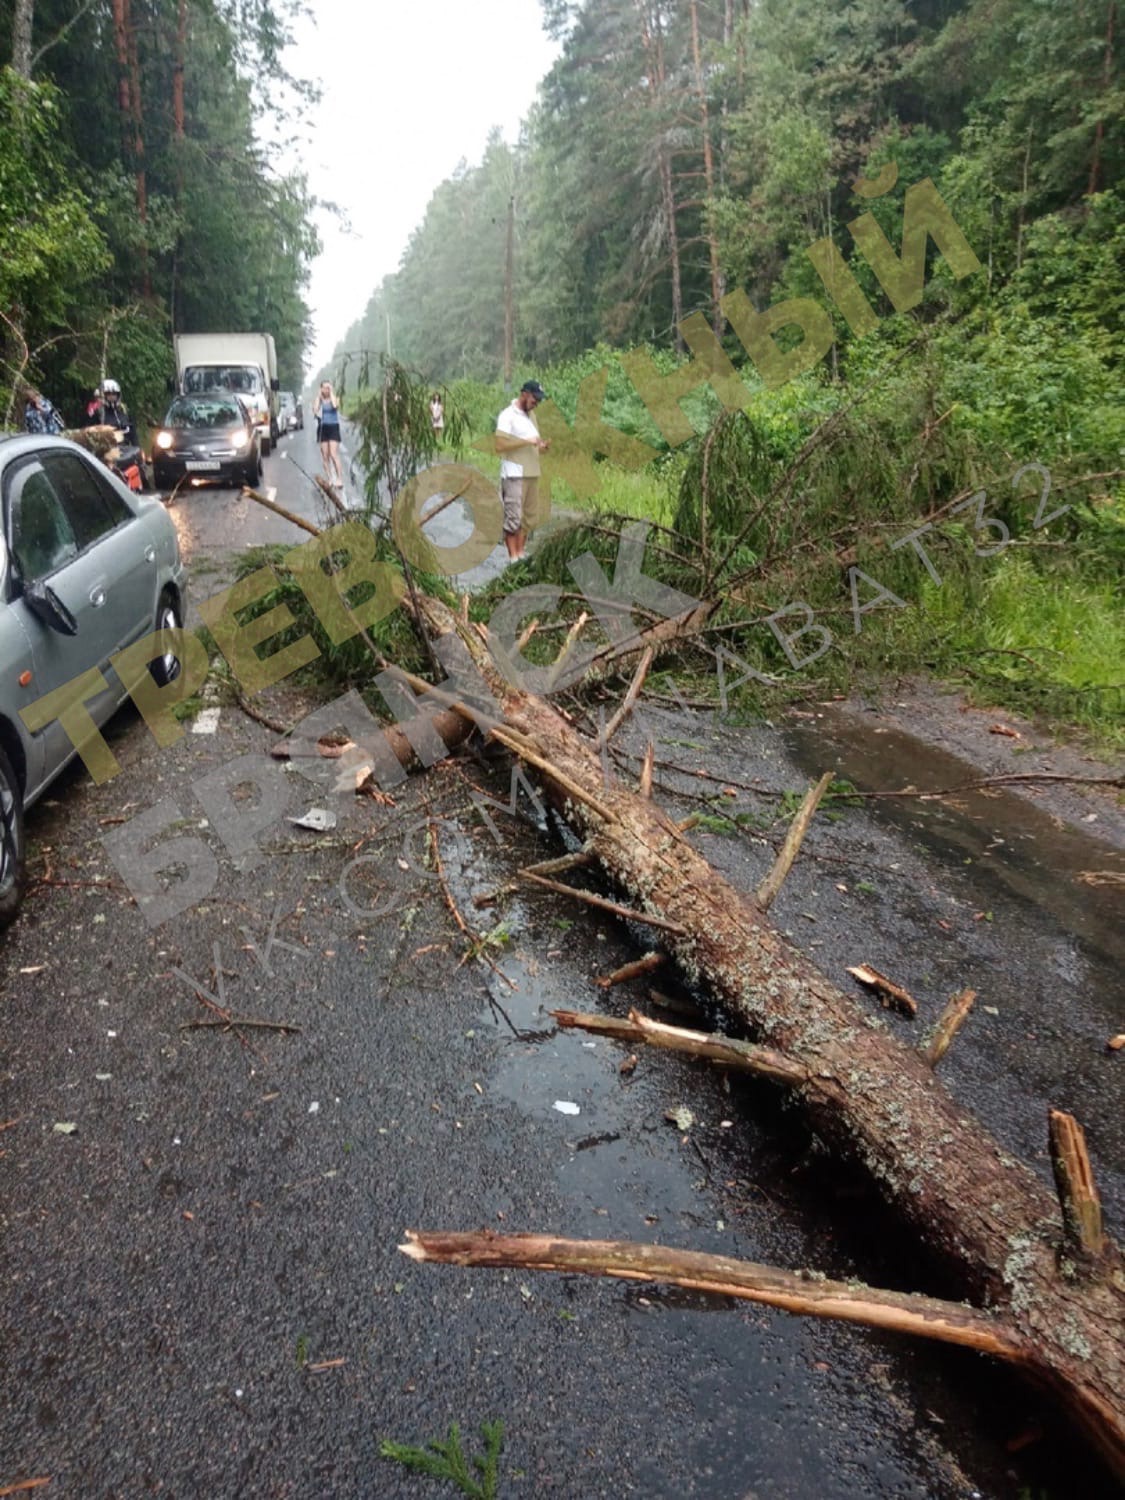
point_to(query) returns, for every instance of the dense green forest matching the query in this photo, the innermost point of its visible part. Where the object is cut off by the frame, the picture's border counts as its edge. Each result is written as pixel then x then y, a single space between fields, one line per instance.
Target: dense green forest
pixel 682 149
pixel 134 200
pixel 702 159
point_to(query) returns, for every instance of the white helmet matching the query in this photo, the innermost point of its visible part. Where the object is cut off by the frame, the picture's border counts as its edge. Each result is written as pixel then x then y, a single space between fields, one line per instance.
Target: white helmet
pixel 110 388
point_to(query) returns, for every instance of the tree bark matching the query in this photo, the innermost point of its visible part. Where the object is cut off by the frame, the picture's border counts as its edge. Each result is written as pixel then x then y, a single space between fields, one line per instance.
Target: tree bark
pixel 23 22
pixel 1107 78
pixel 653 43
pixel 717 284
pixel 870 1096
pixel 131 112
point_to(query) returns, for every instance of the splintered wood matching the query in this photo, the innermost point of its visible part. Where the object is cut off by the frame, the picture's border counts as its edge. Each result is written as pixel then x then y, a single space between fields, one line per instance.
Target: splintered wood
pixel 892 995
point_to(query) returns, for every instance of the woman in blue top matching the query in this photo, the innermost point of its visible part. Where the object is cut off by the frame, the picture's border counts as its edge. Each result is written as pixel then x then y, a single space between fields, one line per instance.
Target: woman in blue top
pixel 326 409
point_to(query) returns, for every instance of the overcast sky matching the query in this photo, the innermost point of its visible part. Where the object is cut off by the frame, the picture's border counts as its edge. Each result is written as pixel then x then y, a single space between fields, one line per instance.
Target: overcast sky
pixel 409 89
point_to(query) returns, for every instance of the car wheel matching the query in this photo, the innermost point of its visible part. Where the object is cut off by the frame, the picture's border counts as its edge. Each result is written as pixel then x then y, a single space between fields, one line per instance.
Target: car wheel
pixel 253 472
pixel 166 668
pixel 161 479
pixel 11 843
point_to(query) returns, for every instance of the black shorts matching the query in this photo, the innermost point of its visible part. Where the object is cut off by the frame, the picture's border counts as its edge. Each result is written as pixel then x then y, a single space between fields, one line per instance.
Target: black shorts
pixel 329 432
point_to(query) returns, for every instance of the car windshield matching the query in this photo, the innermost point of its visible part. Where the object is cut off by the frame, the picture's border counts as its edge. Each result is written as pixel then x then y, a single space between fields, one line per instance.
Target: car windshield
pixel 245 379
pixel 205 411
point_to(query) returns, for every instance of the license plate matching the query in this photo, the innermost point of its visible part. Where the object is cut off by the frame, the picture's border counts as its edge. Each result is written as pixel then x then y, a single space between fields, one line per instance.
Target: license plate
pixel 197 464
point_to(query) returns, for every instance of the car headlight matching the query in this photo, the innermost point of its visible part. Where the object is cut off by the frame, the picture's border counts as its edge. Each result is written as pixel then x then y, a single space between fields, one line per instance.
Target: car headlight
pixel 240 444
pixel 164 439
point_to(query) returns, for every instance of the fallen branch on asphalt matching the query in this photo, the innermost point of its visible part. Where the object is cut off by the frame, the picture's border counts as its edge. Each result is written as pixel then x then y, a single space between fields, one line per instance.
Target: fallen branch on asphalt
pixel 891 993
pixel 803 1292
pixel 240 1021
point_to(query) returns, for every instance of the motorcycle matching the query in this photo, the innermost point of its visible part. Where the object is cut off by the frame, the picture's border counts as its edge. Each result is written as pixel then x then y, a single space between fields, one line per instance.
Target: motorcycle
pixel 128 463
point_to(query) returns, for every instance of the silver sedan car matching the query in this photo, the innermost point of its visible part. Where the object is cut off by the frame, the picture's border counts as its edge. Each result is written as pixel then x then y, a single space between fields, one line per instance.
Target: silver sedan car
pixel 86 569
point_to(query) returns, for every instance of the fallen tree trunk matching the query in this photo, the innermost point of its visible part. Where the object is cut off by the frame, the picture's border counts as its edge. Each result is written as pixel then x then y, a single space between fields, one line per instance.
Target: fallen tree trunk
pixel 867 1093
pixel 1050 1283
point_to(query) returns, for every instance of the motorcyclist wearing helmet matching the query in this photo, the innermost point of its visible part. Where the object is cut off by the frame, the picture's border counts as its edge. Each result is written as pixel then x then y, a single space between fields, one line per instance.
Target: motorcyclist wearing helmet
pixel 107 409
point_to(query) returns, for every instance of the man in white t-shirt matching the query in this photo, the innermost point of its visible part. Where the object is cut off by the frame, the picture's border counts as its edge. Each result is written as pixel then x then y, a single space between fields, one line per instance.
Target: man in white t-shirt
pixel 519 444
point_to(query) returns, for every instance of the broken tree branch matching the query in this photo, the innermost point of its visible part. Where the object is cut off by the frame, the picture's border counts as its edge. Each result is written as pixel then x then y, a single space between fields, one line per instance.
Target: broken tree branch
pixel 640 966
pixel 576 861
pixel 279 510
pixel 891 993
pixel 793 841
pixel 629 700
pixel 240 1021
pixel 729 1052
pixel 645 785
pixel 558 666
pixel 602 904
pixel 721 1275
pixel 949 1023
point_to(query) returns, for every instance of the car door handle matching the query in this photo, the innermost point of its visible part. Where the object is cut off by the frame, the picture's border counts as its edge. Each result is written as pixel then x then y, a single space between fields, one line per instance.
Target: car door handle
pixel 150 554
pixel 97 596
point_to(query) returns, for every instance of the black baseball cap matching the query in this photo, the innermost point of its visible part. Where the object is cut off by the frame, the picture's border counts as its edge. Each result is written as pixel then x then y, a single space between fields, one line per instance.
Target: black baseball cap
pixel 533 388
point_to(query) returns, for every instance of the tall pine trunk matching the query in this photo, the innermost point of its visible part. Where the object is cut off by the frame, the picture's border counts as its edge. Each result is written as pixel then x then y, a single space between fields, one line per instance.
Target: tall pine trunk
pixel 23 22
pixel 132 116
pixel 717 285
pixel 179 141
pixel 1107 76
pixel 653 43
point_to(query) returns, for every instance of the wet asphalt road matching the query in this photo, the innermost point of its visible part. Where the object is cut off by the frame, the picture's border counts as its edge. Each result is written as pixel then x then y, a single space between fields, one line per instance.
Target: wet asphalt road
pixel 214 524
pixel 201 1290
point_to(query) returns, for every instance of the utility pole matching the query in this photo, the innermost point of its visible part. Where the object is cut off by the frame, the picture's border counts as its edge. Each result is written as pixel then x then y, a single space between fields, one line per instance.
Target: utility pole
pixel 509 266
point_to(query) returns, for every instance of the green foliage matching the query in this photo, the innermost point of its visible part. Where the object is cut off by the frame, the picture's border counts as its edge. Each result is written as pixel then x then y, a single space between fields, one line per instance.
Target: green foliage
pixel 351 663
pixel 99 264
pixel 51 248
pixel 392 414
pixel 444 1458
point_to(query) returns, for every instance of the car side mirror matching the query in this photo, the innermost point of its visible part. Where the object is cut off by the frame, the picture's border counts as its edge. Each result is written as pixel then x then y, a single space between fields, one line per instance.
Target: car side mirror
pixel 46 605
pixel 275 385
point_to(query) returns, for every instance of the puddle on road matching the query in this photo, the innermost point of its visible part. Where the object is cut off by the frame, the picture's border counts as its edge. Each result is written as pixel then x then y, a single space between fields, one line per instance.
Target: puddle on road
pixel 1012 842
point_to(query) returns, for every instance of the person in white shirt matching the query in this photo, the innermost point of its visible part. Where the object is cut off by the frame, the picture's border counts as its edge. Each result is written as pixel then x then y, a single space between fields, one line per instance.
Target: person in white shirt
pixel 437 415
pixel 519 444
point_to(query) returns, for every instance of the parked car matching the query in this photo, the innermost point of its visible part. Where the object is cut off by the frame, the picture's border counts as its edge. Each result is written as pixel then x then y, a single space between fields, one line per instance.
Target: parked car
pixel 287 411
pixel 87 568
pixel 300 414
pixel 211 435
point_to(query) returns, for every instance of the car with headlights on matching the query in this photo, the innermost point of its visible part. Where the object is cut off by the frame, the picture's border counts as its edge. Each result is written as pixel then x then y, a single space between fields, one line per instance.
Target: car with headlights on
pixel 209 435
pixel 87 568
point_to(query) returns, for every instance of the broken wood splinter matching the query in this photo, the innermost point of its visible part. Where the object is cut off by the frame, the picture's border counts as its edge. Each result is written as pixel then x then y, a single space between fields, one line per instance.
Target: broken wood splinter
pixel 889 992
pixel 949 1023
pixel 799 827
pixel 1074 1179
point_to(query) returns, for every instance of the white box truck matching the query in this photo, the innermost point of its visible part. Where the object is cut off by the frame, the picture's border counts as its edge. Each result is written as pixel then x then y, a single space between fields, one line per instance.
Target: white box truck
pixel 245 363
